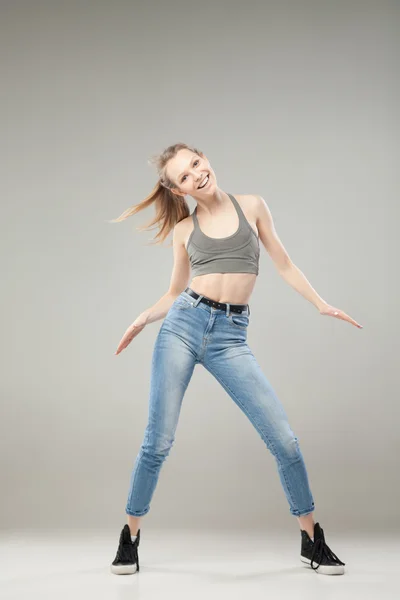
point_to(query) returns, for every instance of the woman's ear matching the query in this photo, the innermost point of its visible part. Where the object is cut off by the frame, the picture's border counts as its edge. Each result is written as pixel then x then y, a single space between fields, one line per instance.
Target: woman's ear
pixel 177 192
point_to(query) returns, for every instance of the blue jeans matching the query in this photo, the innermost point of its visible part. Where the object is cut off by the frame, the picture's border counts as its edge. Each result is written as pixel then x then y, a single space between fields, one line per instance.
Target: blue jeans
pixel 191 333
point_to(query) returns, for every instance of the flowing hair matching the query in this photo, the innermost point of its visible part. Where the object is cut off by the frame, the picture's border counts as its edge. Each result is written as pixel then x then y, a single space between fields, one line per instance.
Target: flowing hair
pixel 170 207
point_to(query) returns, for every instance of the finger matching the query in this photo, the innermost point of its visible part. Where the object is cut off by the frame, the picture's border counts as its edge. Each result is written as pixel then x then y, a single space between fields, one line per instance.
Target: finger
pixel 353 322
pixel 350 320
pixel 130 333
pixel 121 347
pixel 126 340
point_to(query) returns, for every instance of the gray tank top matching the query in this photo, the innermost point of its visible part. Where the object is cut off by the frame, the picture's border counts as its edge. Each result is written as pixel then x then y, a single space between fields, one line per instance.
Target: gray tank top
pixel 236 253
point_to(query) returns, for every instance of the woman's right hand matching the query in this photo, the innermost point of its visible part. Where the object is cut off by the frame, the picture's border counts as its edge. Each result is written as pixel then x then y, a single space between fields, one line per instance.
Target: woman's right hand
pixel 132 331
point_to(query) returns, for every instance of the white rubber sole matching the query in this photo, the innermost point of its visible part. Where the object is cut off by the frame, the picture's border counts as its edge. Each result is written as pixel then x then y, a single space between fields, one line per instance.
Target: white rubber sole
pixel 123 569
pixel 323 569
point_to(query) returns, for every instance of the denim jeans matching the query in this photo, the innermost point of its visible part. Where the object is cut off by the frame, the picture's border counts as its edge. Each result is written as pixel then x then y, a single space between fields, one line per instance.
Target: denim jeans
pixel 191 333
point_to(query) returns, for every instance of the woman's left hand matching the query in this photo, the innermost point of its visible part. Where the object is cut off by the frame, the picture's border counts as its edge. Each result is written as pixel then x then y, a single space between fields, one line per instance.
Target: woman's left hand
pixel 331 311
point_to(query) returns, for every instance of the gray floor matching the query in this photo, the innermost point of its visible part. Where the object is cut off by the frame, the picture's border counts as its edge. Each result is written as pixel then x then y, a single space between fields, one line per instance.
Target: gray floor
pixel 193 565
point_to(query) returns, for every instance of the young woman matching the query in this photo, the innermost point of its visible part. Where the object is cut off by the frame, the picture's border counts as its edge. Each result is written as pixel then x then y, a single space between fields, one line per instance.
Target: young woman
pixel 206 323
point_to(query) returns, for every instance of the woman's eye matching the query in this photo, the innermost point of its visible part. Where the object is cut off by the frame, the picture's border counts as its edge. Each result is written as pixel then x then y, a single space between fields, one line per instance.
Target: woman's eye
pixel 183 178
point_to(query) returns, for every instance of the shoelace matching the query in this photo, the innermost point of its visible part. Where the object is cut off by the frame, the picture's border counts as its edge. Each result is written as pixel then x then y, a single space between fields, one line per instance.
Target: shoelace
pixel 320 549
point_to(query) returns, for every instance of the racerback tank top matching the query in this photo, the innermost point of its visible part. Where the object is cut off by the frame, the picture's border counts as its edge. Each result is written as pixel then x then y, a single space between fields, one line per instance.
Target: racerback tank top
pixel 236 253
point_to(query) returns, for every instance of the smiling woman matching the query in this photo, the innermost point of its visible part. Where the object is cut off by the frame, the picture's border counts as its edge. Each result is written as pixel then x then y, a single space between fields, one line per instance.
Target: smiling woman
pixel 170 205
pixel 219 241
pixel 206 322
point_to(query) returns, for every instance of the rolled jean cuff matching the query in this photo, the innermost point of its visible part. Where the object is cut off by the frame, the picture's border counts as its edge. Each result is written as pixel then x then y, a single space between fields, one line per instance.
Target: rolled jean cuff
pixel 302 513
pixel 136 514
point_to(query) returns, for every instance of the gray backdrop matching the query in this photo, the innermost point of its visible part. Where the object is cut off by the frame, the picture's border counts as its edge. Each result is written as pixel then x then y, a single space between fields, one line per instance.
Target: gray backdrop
pixel 295 101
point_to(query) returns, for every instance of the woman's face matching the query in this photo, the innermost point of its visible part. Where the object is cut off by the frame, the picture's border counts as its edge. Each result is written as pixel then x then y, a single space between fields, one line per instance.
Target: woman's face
pixel 188 170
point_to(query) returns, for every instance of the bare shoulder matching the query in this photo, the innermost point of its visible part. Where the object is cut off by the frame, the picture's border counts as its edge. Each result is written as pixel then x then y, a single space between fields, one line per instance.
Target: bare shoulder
pixel 183 229
pixel 250 204
pixel 256 205
pixel 248 200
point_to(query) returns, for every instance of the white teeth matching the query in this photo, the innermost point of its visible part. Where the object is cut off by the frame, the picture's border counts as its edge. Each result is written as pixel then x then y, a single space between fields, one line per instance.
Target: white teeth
pixel 205 181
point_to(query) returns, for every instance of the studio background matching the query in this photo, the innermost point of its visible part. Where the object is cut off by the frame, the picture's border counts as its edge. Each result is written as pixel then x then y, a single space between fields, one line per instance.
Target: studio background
pixel 295 101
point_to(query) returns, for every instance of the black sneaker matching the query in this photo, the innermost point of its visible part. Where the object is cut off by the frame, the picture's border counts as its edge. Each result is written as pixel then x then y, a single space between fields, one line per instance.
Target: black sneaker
pixel 317 554
pixel 126 561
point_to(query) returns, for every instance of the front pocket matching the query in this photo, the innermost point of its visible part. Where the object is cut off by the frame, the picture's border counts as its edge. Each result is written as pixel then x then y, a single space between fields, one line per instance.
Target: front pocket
pixel 182 303
pixel 239 321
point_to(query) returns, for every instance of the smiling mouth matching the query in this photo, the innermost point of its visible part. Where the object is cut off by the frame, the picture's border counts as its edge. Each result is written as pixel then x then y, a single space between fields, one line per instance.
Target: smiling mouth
pixel 204 183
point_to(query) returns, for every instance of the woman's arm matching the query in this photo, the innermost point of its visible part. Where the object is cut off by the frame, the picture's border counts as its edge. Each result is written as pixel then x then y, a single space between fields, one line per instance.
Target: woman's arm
pixel 179 277
pixel 179 281
pixel 286 268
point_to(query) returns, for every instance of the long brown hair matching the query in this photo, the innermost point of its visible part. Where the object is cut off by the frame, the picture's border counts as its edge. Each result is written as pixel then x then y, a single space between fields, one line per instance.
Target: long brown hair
pixel 170 207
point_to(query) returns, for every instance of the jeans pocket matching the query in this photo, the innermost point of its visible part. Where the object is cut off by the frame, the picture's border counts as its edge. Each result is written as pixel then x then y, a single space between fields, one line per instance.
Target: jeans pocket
pixel 182 303
pixel 239 321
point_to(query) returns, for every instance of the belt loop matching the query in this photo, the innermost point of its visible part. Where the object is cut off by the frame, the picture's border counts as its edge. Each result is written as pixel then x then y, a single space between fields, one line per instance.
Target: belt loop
pixel 248 306
pixel 198 300
pixel 228 306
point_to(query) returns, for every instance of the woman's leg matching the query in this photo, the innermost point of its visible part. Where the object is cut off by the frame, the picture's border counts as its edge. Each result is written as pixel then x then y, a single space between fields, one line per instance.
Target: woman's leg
pixel 306 522
pixel 172 367
pixel 134 524
pixel 233 364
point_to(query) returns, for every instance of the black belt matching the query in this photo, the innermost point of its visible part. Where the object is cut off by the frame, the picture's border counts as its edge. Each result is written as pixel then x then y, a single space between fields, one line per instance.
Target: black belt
pixel 237 308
